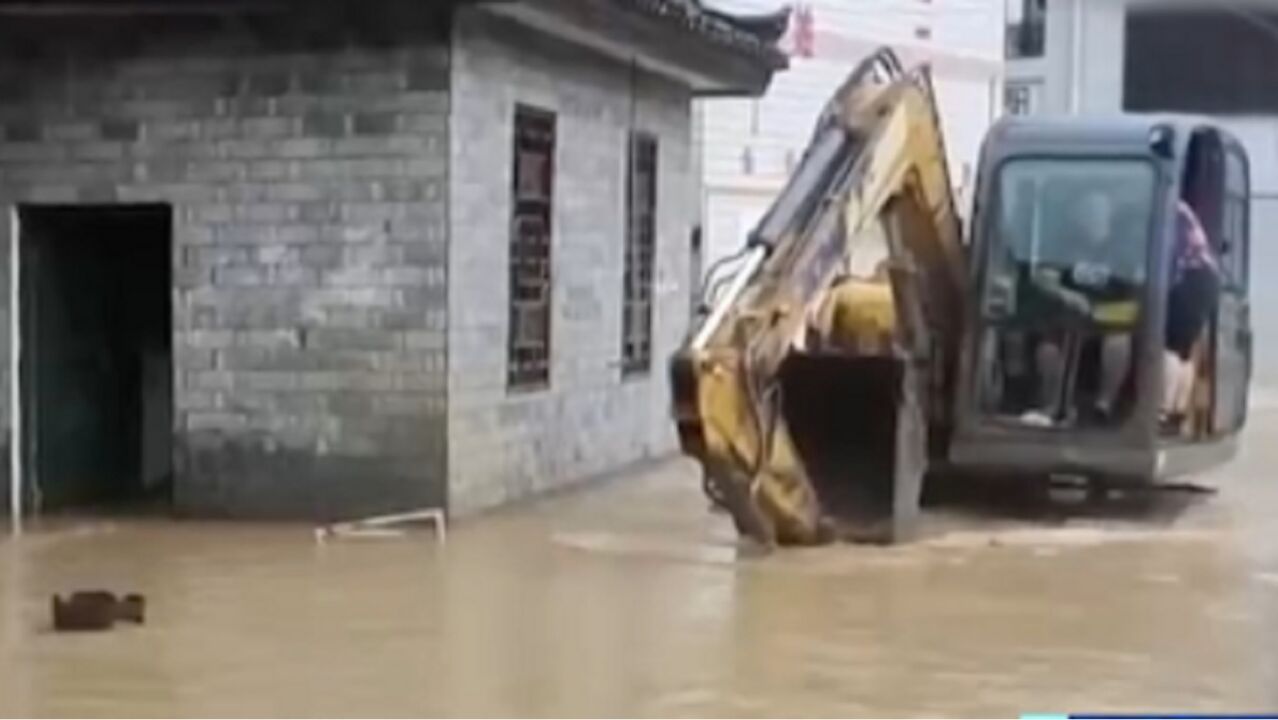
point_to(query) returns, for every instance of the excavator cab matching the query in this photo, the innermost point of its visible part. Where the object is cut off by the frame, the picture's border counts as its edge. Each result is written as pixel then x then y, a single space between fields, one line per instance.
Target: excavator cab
pixel 1090 351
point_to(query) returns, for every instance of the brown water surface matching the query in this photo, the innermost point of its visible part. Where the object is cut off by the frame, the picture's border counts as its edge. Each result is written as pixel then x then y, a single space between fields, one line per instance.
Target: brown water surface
pixel 628 598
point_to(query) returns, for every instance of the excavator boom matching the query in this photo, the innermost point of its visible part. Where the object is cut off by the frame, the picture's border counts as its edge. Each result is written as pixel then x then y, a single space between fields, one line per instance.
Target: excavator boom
pixel 817 385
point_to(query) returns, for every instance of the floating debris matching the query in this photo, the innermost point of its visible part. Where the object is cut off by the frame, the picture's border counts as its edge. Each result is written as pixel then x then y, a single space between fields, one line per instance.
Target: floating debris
pixel 96 610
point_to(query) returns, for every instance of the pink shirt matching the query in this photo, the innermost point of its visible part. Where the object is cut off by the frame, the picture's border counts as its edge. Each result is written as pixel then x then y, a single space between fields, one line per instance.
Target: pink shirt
pixel 1193 250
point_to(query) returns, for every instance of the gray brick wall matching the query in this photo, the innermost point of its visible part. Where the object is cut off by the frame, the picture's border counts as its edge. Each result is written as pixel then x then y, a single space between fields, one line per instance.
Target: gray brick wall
pixel 590 420
pixel 308 179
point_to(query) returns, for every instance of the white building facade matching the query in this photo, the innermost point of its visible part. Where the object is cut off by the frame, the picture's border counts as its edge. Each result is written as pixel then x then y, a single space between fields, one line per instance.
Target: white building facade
pixel 748 147
pixel 1202 57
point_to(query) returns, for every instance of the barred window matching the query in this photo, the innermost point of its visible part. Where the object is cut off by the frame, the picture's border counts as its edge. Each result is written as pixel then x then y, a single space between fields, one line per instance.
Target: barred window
pixel 528 349
pixel 1018 99
pixel 640 248
pixel 1026 29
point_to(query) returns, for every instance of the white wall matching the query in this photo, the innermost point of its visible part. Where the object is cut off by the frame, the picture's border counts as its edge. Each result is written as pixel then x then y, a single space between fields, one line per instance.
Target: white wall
pixel 1091 60
pixel 965 50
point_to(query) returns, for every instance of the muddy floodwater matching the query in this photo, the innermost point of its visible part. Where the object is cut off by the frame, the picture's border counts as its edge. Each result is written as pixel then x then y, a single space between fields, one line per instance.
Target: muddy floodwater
pixel 628 598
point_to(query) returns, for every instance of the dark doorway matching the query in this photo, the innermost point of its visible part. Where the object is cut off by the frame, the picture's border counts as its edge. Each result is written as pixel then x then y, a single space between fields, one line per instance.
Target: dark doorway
pixel 96 355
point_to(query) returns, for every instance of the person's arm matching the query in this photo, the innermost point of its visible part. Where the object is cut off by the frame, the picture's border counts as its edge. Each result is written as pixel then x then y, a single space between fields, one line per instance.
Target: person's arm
pixel 1193 246
pixel 1050 282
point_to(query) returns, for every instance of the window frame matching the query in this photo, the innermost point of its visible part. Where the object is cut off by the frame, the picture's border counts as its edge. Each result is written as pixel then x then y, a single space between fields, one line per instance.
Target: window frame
pixel 639 252
pixel 1026 39
pixel 991 230
pixel 988 241
pixel 529 343
pixel 1019 97
pixel 1236 222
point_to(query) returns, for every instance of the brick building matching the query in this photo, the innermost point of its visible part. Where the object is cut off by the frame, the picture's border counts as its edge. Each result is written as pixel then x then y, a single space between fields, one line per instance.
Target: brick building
pixel 327 259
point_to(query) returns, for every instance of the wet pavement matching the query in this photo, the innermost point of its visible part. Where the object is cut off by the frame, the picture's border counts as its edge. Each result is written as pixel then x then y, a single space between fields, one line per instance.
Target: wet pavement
pixel 628 598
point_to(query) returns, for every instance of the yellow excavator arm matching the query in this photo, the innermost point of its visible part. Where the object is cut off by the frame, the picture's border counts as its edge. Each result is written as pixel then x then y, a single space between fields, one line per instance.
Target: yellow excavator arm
pixel 817 385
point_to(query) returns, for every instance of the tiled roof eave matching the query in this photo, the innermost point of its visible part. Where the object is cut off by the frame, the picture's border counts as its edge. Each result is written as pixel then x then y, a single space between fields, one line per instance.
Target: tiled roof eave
pixel 715 27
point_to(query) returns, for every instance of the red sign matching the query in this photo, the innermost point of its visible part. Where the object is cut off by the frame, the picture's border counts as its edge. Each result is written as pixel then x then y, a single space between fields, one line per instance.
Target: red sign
pixel 803 37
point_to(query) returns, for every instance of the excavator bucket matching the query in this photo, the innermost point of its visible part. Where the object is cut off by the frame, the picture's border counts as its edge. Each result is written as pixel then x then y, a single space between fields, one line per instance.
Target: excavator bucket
pixel 857 429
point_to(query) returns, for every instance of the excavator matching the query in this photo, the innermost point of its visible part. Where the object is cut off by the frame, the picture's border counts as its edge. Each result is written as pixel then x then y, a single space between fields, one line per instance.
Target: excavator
pixel 863 343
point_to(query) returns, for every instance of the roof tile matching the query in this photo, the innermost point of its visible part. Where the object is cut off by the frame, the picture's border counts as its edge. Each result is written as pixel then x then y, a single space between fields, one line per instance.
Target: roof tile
pixel 754 35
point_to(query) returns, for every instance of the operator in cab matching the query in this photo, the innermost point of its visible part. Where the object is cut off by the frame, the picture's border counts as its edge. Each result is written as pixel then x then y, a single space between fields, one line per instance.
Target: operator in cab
pixel 1195 290
pixel 1087 293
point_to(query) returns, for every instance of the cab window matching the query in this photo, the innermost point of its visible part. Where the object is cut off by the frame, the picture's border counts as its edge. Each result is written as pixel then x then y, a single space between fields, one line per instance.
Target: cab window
pixel 1090 219
pixel 1234 232
pixel 1067 253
